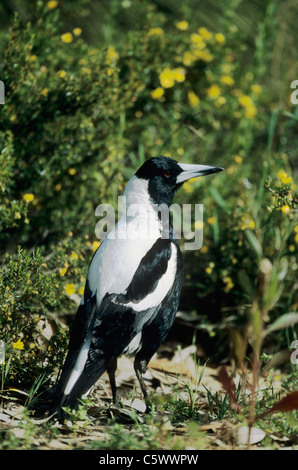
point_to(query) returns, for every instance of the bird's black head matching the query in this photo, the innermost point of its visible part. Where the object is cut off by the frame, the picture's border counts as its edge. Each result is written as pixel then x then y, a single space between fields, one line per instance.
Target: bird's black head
pixel 165 176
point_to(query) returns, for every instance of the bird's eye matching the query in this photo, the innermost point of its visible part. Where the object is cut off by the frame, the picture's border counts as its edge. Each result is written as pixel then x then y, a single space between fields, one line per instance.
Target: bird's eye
pixel 166 174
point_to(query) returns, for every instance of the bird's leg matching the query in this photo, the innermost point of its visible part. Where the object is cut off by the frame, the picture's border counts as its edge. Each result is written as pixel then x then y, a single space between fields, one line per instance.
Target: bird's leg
pixel 140 366
pixel 111 369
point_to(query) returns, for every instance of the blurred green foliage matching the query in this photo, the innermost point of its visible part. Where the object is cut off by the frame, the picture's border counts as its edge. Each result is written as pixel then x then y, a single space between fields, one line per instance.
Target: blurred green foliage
pixel 93 89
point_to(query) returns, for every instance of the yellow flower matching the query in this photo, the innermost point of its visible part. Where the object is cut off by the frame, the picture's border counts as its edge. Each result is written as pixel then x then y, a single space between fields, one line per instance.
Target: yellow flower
pixel 70 289
pixel 77 31
pixel 199 46
pixel 74 256
pixel 250 111
pixel 157 93
pixel 281 174
pixel 28 197
pixel 256 89
pixel 111 55
pixel 52 4
pixel 58 187
pixel 204 55
pixel 86 70
pixel 286 209
pixel 227 68
pixel 155 32
pixel 211 220
pixel 81 290
pixel 247 103
pixel 182 25
pixel 205 33
pixel 45 92
pixel 188 58
pixel 167 78
pixel 67 38
pixel 220 38
pixel 208 270
pixel 72 171
pixel 220 101
pixel 248 223
pixel 245 100
pixel 62 271
pixel 197 39
pixel 62 73
pixel 213 91
pixel 179 74
pixel 193 99
pixel 18 345
pixel 227 80
pixel 95 245
pixel 286 179
pixel 228 284
pixel 238 159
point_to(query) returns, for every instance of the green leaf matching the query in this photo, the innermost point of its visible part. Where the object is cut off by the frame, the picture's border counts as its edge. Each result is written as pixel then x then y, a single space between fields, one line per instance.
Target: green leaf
pixel 254 242
pixel 290 115
pixel 286 320
pixel 218 198
pixel 246 284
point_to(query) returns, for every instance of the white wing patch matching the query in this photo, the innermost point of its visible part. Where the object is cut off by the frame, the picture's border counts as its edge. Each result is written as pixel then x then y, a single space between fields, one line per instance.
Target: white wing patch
pixel 78 368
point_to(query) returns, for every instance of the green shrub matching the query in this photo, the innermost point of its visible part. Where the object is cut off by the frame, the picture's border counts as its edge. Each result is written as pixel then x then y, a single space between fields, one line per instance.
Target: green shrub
pixel 80 118
pixel 32 338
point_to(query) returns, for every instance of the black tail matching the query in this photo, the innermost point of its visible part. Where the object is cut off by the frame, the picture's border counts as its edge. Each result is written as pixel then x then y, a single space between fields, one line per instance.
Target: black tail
pixel 81 329
pixel 91 373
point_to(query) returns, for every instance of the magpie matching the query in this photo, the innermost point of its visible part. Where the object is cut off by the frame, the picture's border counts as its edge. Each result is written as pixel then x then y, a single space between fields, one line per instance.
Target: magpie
pixel 132 289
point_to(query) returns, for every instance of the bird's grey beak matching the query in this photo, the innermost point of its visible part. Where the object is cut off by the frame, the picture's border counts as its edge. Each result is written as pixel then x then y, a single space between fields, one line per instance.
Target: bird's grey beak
pixel 193 171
